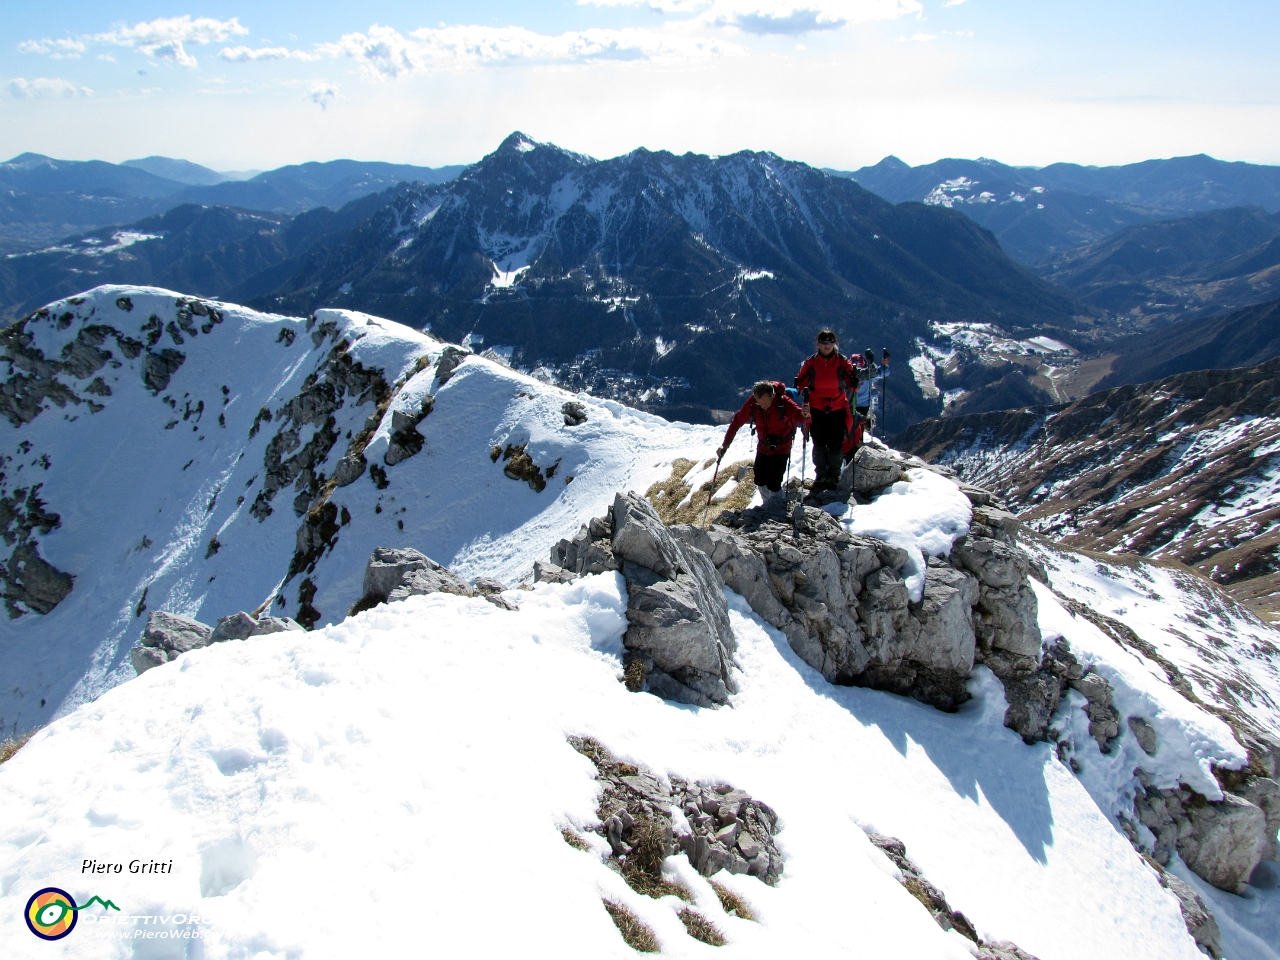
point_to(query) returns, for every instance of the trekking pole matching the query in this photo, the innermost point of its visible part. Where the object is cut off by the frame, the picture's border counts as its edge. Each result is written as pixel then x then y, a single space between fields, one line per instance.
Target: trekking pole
pixel 711 492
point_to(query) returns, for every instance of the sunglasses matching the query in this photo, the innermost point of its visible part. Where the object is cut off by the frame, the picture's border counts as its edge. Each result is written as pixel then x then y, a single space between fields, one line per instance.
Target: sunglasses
pixel 826 339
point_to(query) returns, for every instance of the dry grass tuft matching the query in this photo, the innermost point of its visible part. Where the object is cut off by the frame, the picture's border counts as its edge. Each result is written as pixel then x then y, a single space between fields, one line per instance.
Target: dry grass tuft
pixel 731 903
pixel 10 746
pixel 633 674
pixel 700 928
pixel 575 841
pixel 635 932
pixel 668 495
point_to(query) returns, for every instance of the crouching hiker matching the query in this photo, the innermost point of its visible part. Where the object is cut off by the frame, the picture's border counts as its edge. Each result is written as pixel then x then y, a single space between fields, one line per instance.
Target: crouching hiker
pixel 775 417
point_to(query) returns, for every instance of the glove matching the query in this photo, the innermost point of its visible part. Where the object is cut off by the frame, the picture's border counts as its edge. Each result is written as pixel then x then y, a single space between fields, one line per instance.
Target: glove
pixel 720 452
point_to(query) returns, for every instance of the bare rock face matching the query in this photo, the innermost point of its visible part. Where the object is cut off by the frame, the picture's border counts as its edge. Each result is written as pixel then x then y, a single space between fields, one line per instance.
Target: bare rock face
pixel 679 619
pixel 32 581
pixel 842 602
pixel 1006 615
pixel 397 573
pixel 405 440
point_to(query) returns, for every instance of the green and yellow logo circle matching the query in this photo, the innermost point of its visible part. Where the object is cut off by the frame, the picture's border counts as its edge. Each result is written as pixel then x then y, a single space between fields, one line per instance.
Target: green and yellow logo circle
pixel 51 913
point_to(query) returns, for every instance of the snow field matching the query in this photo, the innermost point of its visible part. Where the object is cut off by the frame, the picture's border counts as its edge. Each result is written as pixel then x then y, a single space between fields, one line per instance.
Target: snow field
pixel 398 781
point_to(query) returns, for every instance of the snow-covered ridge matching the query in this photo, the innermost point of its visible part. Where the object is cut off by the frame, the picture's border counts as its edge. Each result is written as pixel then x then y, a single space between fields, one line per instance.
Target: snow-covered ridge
pixel 188 494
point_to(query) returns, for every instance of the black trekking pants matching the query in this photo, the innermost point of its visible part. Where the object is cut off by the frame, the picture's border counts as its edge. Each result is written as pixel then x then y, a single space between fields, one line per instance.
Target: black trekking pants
pixel 770 469
pixel 827 432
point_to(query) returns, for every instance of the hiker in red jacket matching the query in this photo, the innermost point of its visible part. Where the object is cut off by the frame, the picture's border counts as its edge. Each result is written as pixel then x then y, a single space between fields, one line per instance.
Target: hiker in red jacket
pixel 775 416
pixel 825 379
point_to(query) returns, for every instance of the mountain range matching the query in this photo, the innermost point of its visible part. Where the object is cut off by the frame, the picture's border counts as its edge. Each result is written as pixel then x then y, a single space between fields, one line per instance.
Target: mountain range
pixel 1037 212
pixel 44 200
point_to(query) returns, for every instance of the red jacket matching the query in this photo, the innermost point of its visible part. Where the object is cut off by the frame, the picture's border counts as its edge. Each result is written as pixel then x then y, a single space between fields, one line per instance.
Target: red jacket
pixel 775 427
pixel 827 379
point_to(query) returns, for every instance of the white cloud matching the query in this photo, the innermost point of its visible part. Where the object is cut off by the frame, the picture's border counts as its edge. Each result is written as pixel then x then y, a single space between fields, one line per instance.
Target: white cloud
pixel 42 88
pixel 803 16
pixel 162 39
pixel 918 38
pixel 385 53
pixel 63 49
pixel 663 6
pixel 322 93
pixel 252 54
pixel 953 3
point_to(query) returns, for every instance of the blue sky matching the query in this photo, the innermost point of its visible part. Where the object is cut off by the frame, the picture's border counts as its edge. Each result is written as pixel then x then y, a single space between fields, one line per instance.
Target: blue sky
pixel 837 83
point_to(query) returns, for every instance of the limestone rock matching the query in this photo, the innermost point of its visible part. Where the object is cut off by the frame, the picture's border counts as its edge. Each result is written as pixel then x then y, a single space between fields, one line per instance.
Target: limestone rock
pixel 237 626
pixel 1226 841
pixel 1104 719
pixel 551 573
pixel 166 636
pixel 450 359
pixel 396 573
pixel 678 616
pixel 349 469
pixel 144 658
pixel 1006 602
pixel 1144 733
pixel 871 470
pixel 268 625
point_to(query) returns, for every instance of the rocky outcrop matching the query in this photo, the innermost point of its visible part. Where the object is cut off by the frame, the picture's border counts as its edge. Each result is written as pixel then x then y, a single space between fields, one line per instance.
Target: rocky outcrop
pixel 405 440
pixel 450 359
pixel 169 635
pixel 395 573
pixel 1221 841
pixel 32 582
pixel 717 826
pixel 935 902
pixel 679 619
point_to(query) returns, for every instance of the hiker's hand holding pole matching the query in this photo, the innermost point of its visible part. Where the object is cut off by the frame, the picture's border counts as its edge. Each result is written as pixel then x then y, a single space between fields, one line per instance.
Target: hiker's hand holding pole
pixel 720 451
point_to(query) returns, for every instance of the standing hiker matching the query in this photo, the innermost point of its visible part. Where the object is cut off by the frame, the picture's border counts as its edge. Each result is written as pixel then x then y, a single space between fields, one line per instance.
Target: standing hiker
pixel 775 417
pixel 824 379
